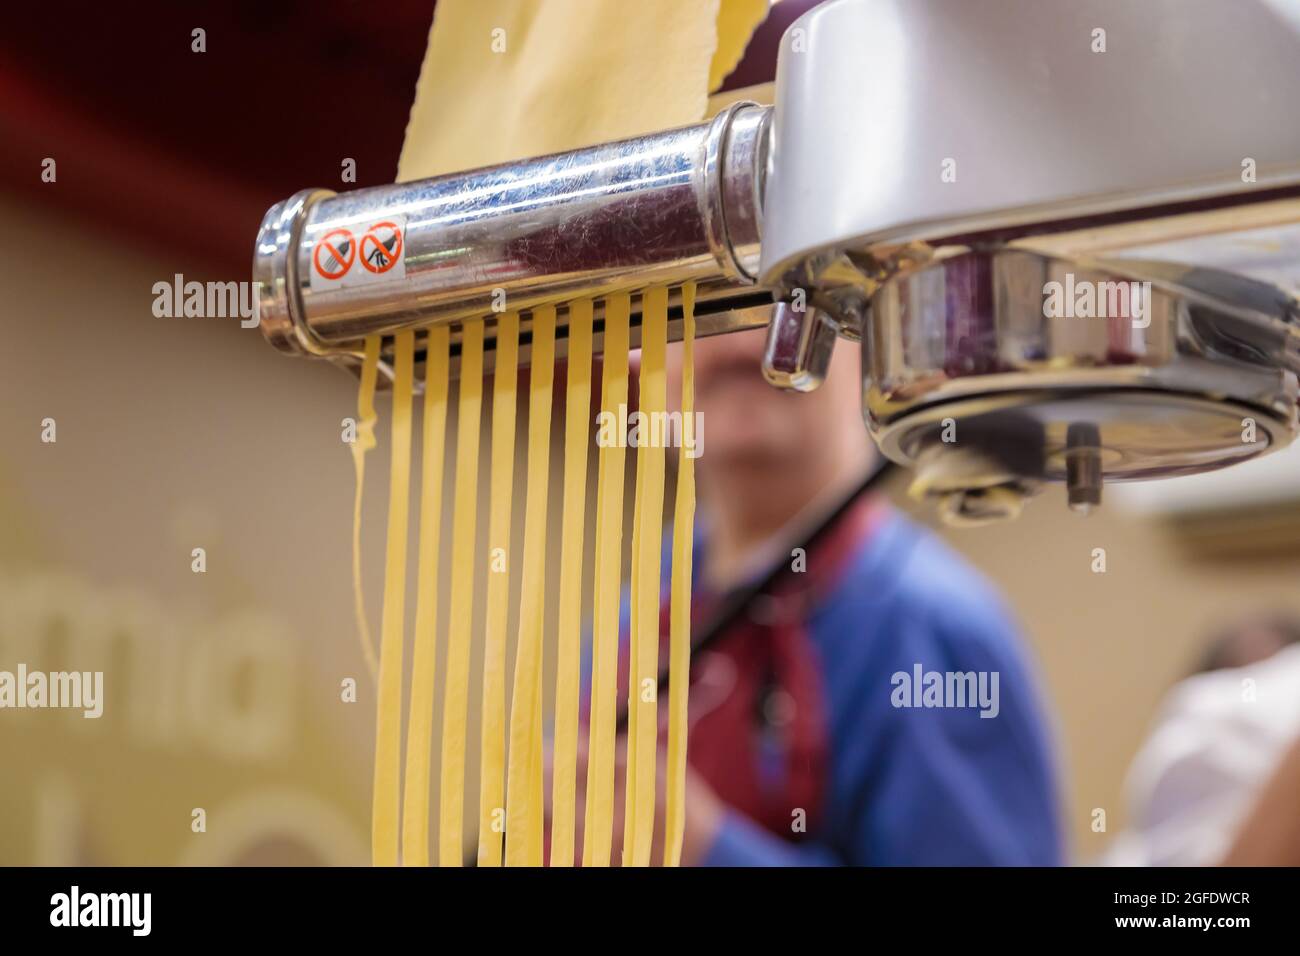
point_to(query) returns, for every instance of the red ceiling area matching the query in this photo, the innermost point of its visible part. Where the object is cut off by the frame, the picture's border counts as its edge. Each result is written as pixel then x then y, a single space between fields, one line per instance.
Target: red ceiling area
pixel 187 150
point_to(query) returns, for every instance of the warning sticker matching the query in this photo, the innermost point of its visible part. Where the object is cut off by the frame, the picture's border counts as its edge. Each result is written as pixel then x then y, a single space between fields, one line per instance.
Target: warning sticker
pixel 333 255
pixel 381 247
pixel 339 258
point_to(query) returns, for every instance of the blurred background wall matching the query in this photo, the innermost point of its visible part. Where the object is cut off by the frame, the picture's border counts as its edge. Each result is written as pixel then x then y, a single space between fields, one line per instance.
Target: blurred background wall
pixel 225 689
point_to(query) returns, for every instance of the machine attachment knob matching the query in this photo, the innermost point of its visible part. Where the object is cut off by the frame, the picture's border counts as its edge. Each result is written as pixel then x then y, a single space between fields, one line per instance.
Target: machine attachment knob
pixel 800 343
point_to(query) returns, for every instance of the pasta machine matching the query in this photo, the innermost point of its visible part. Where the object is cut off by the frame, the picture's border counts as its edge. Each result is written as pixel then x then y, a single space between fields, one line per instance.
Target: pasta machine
pixel 1066 236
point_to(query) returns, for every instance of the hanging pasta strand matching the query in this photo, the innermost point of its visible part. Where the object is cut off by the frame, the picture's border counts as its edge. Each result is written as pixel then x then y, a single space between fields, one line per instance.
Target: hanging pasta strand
pixel 537 772
pixel 388 725
pixel 364 441
pixel 679 626
pixel 568 665
pixel 644 668
pixel 593 693
pixel 451 800
pixel 492 769
pixel 634 595
pixel 598 824
pixel 524 798
pixel 419 725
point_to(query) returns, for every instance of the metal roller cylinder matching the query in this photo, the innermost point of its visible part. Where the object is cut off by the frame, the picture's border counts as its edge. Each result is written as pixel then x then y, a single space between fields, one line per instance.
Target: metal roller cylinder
pixel 684 204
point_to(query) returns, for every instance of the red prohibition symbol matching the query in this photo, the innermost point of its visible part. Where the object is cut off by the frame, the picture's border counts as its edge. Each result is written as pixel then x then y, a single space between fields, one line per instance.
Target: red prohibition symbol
pixel 341 247
pixel 378 254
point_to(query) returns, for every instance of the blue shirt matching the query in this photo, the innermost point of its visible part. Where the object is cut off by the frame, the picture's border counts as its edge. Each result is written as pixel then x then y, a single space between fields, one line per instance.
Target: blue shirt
pixel 906 783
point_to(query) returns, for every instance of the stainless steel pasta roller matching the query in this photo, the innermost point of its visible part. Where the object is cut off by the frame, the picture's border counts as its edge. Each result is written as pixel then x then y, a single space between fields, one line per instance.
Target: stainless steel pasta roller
pixel 1067 236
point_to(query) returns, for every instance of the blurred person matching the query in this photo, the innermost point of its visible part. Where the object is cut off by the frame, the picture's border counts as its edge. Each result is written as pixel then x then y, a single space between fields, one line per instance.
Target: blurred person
pixel 1199 790
pixel 803 747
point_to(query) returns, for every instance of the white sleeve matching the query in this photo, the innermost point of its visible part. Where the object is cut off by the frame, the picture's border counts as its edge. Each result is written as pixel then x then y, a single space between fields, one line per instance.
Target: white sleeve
pixel 1217 739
